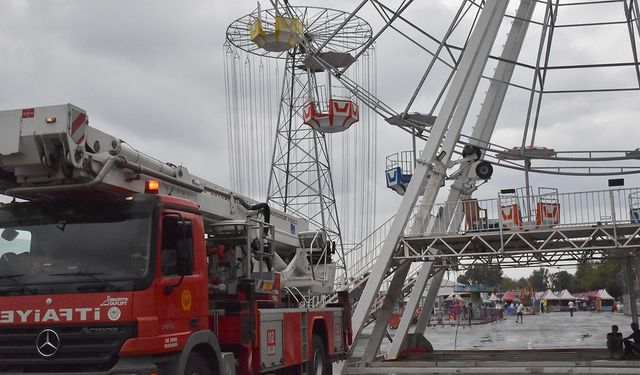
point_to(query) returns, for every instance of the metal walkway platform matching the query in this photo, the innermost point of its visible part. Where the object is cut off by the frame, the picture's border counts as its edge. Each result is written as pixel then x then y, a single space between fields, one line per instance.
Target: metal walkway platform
pixel 552 246
pixel 549 229
pixel 552 361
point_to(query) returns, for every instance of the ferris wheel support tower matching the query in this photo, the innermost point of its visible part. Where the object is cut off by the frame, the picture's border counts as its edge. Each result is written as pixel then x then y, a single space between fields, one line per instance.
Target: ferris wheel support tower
pixel 300 181
pixel 310 106
pixel 398 250
pixel 464 186
pixel 437 152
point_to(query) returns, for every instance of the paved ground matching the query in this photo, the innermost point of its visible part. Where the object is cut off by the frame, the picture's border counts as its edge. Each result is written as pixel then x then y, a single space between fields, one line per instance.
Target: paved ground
pixel 556 331
pixel 546 331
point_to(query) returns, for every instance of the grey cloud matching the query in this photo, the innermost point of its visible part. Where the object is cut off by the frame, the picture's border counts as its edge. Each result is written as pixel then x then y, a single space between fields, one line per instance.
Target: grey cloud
pixel 151 72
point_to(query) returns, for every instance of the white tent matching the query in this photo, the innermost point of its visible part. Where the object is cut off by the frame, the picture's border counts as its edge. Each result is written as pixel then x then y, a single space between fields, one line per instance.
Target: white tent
pixel 538 295
pixel 494 298
pixel 454 297
pixel 566 296
pixel 603 294
pixel 549 296
pixel 550 301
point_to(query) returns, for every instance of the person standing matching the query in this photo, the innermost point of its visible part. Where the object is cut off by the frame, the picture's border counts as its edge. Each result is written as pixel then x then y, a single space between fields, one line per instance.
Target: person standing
pixel 465 311
pixel 519 312
pixel 571 308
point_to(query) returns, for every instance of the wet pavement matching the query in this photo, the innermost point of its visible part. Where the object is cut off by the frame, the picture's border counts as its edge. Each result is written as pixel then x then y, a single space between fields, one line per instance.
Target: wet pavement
pixel 545 331
pixel 556 332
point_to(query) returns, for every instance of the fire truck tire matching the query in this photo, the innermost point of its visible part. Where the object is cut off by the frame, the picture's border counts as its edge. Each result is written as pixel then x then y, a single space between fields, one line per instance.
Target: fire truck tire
pixel 320 364
pixel 197 365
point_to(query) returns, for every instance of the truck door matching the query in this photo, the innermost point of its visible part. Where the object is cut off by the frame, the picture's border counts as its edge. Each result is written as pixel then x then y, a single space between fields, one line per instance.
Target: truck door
pixel 181 280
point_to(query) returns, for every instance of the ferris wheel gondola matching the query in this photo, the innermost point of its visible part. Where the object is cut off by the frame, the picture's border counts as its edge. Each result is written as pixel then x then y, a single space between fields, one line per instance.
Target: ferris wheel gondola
pixel 284 35
pixel 341 114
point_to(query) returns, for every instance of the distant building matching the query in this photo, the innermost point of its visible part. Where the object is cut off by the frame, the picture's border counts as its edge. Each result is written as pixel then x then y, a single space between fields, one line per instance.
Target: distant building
pixel 476 294
pixel 448 288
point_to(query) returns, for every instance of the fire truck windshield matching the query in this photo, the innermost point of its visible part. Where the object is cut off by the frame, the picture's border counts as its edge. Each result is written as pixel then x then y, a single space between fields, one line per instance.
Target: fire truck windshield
pixel 62 248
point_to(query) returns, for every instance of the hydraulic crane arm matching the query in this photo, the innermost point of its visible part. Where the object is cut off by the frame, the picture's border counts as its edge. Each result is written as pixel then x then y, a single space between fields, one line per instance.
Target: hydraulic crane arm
pixel 52 151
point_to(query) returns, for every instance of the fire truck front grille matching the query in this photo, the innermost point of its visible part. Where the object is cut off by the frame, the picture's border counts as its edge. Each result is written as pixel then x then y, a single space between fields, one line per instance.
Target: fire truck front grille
pixel 79 348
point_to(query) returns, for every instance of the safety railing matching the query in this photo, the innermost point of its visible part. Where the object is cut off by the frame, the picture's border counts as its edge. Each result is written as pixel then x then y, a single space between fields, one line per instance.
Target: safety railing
pixel 547 209
pixel 540 211
pixel 448 316
pixel 317 301
pixel 322 94
pixel 322 269
pixel 490 315
pixel 403 159
pixel 361 256
pixel 311 301
pixel 294 293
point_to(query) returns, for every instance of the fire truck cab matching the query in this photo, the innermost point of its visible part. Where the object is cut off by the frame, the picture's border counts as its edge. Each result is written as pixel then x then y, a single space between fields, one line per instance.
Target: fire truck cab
pixel 112 262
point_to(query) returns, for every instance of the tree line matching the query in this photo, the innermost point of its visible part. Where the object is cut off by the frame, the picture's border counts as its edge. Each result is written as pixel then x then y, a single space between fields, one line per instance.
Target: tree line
pixel 588 276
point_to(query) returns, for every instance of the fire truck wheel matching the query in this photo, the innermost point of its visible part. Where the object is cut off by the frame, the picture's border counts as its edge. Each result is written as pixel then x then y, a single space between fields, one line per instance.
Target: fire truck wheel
pixel 197 365
pixel 320 364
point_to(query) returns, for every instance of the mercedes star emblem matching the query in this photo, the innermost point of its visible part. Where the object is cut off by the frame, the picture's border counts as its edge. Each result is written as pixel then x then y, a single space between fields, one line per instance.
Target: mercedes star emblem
pixel 48 343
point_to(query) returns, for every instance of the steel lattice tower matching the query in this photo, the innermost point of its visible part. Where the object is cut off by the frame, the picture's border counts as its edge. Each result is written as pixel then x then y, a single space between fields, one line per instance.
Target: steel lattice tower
pixel 300 181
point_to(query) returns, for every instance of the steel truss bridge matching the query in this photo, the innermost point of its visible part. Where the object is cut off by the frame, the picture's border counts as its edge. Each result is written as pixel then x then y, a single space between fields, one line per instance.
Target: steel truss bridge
pixel 587 226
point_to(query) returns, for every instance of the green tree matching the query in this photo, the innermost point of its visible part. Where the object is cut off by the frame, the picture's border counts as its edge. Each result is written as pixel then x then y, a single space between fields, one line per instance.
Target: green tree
pixel 562 280
pixel 482 273
pixel 608 274
pixel 600 275
pixel 522 283
pixel 507 283
pixel 586 278
pixel 539 279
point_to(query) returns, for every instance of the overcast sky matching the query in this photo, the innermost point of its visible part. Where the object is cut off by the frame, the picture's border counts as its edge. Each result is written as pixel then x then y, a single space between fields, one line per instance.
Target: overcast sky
pixel 151 72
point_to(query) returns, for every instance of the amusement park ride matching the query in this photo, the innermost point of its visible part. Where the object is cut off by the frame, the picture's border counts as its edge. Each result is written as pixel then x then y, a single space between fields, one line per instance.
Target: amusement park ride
pixel 520 228
pixel 312 107
pixel 225 284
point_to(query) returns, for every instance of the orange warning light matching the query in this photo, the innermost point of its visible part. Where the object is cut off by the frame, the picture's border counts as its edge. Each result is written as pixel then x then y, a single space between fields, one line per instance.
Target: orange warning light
pixel 152 186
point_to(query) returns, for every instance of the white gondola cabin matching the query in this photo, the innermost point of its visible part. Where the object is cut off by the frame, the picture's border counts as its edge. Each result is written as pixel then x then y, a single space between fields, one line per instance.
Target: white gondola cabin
pixel 341 114
pixel 325 112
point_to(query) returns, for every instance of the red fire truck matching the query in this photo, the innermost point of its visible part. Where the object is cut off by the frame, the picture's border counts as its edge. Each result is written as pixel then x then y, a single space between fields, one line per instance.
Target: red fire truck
pixel 112 262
